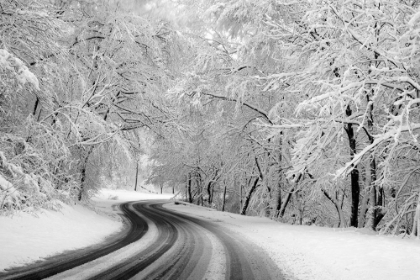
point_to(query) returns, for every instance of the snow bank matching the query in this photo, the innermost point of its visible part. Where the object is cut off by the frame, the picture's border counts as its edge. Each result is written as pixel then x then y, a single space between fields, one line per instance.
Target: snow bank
pixel 302 252
pixel 309 252
pixel 25 238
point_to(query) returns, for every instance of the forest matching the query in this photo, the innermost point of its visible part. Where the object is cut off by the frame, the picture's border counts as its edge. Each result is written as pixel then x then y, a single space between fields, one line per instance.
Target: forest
pixel 306 112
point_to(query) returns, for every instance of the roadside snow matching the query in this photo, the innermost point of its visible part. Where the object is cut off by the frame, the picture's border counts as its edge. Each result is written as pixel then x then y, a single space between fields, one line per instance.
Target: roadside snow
pixel 26 238
pixel 302 252
pixel 124 195
pixel 309 252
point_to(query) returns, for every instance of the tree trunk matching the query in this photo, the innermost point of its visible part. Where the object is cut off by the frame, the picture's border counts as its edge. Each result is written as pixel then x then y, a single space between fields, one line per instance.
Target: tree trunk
pixel 224 198
pixel 241 188
pixel 288 197
pixel 336 203
pixel 416 220
pixel 354 175
pixel 83 173
pixel 246 183
pixel 82 182
pixel 286 201
pixel 248 196
pixel 278 201
pixel 377 197
pixel 378 212
pixel 190 200
pixel 199 188
pixel 300 207
pixel 137 176
pixel 210 185
pixel 281 178
pixel 355 192
pixel 212 195
pixel 35 106
pixel 364 205
pixel 209 193
pixel 363 210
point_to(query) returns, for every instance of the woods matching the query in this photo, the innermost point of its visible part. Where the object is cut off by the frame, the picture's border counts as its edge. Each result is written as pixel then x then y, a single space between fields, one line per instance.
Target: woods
pixel 304 112
pixel 78 79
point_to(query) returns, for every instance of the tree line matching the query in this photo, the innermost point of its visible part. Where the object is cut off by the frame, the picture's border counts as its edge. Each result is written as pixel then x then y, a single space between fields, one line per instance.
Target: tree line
pixel 79 80
pixel 301 111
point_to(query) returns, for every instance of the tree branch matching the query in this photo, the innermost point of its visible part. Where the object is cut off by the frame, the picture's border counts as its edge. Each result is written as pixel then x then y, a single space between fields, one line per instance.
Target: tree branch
pixel 252 107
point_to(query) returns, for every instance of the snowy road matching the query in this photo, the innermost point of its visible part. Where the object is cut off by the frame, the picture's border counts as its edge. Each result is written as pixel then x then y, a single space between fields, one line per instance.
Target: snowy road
pixel 160 244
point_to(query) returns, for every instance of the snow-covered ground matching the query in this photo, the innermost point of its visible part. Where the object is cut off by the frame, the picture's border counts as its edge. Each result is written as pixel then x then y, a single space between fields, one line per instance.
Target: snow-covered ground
pixel 309 252
pixel 26 238
pixel 303 252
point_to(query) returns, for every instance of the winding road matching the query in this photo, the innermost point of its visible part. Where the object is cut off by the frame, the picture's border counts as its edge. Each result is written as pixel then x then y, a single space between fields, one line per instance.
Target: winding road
pixel 158 243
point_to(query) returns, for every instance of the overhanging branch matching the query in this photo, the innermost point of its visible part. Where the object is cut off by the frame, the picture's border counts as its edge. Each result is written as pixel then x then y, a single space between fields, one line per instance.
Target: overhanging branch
pixel 252 107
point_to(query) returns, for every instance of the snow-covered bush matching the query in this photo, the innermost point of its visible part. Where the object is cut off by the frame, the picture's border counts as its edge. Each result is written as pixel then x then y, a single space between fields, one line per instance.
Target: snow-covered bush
pixel 33 171
pixel 16 69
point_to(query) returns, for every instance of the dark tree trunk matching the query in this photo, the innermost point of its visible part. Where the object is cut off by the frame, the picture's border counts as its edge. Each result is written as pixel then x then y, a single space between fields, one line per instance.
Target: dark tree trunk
pixel 242 191
pixel 376 197
pixel 224 198
pixel 278 201
pixel 372 171
pixel 35 106
pixel 288 197
pixel 240 199
pixel 82 182
pixel 209 193
pixel 249 195
pixel 354 175
pixel 199 188
pixel 83 174
pixel 279 194
pixel 286 201
pixel 137 176
pixel 377 194
pixel 355 192
pixel 189 181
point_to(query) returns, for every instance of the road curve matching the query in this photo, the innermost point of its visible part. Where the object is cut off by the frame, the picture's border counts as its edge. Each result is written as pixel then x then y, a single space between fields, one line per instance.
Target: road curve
pixel 184 248
pixel 134 229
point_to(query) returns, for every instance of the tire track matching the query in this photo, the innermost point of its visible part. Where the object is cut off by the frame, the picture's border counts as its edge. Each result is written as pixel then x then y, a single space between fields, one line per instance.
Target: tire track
pixel 167 235
pixel 136 228
pixel 188 256
pixel 244 260
pixel 182 247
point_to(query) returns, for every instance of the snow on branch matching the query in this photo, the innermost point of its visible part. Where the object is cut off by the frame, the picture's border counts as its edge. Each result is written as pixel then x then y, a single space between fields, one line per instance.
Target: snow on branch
pixel 13 64
pixel 8 195
pixel 414 19
pixel 393 133
pixel 252 107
